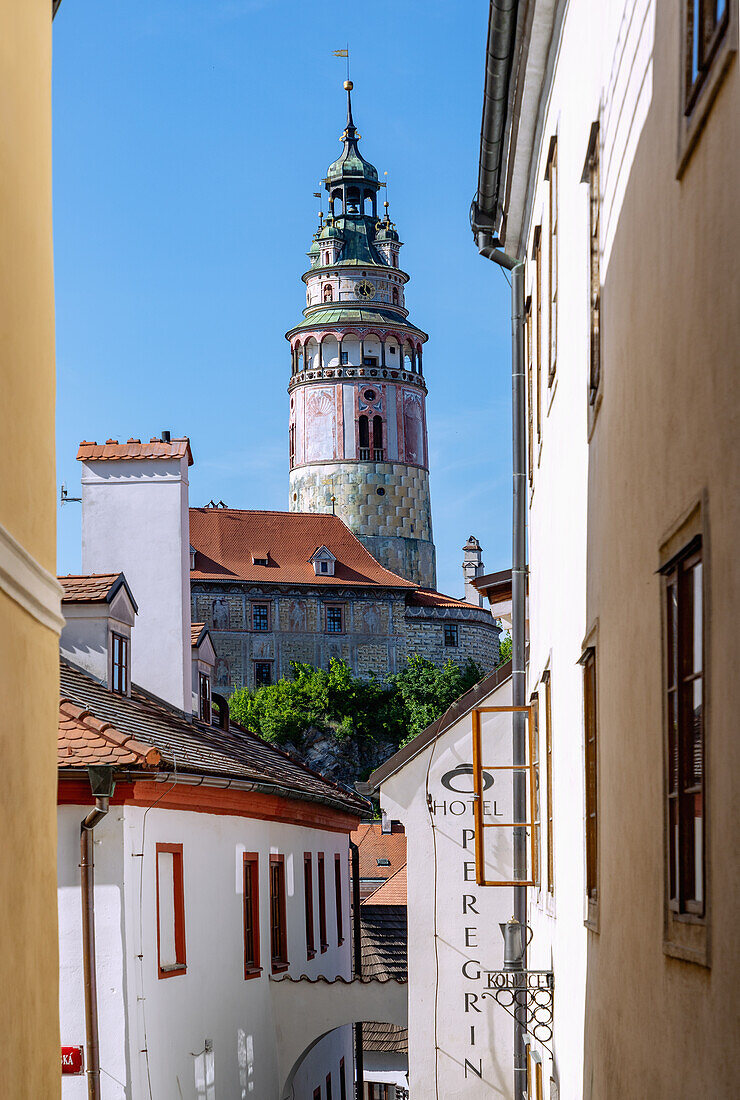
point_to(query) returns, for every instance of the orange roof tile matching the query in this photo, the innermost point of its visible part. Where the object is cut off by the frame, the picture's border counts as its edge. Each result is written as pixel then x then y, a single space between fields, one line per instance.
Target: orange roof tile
pixel 134 448
pixel 374 845
pixel 84 740
pixel 425 597
pixel 227 539
pixel 392 892
pixel 89 587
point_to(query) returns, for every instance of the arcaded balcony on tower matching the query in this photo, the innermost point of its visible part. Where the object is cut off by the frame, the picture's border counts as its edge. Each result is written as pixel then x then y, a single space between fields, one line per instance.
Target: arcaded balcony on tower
pixel 358 431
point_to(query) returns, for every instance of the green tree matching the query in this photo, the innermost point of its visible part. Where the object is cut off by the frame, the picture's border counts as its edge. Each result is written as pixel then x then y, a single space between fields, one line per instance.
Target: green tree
pixel 504 649
pixel 349 708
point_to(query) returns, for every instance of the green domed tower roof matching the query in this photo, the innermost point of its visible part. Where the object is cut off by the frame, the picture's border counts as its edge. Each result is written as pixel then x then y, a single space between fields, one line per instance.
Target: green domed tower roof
pixel 351 164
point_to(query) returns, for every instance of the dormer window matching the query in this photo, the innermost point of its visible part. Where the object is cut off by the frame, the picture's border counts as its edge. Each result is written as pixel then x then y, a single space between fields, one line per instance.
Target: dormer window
pixel 323 562
pixel 260 557
pixel 119 664
pixel 204 697
pixel 192 558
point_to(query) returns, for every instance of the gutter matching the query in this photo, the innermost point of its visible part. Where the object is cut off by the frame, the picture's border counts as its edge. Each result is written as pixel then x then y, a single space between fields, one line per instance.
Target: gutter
pixel 197 779
pixel 101 784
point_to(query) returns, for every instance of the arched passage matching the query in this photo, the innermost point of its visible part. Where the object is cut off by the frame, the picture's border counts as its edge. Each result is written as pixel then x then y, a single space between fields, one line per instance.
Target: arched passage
pixel 304 1011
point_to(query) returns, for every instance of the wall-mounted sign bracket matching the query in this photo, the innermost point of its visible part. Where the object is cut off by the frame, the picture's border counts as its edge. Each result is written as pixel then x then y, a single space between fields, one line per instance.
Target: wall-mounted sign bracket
pixel 528 996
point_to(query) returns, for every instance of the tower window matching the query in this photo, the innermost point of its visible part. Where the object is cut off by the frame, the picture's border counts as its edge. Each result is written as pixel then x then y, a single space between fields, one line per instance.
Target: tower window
pixel 345 358
pixel 395 297
pixel 378 438
pixel 450 634
pixel 364 431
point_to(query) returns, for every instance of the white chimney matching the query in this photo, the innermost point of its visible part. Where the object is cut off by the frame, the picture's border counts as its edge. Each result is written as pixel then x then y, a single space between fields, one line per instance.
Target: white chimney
pixel 135 520
pixel 472 567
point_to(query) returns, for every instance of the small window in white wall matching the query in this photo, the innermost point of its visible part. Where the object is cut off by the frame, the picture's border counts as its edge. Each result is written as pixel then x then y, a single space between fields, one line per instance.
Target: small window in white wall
pixel 170 911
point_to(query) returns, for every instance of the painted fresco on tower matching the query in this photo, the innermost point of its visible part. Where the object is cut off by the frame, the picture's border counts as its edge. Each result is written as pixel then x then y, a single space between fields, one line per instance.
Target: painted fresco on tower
pixel 320 425
pixel 413 427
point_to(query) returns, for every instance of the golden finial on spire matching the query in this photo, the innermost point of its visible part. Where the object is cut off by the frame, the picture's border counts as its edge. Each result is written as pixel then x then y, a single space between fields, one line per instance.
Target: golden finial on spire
pixel 348 85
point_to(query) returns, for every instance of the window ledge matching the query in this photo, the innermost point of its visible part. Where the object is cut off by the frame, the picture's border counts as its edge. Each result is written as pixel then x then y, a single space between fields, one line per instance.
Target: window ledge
pixel 279 967
pixel 310 955
pixel 690 126
pixel 171 971
pixel 324 948
pixel 252 972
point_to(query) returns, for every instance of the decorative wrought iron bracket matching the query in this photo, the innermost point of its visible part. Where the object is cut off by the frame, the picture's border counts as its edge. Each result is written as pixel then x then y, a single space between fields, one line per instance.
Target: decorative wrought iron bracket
pixel 527 995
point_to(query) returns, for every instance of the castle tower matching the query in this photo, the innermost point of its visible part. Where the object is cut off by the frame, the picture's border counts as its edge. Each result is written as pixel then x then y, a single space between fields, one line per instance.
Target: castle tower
pixel 358 433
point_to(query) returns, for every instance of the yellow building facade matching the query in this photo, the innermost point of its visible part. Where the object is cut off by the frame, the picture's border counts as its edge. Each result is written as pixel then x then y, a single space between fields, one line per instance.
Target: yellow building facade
pixel 30 618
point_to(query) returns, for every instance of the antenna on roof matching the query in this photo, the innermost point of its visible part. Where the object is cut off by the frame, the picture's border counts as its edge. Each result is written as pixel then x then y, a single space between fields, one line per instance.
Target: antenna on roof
pixel 65 498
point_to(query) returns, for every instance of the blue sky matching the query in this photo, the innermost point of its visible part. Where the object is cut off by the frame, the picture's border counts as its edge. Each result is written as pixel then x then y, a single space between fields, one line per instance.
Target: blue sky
pixel 189 136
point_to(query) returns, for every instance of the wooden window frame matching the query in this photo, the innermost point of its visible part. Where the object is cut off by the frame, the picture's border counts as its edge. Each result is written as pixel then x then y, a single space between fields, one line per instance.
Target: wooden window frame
pixel 251 902
pixel 591 783
pixel 334 607
pixel 279 959
pixel 530 390
pixel 537 258
pixel 338 898
pixel 328 1086
pixel 551 175
pixel 592 176
pixel 253 606
pixel 537 786
pixel 687 926
pixel 308 905
pixel 321 884
pixel 204 697
pixel 717 48
pixel 178 895
pixel 454 631
pixel 120 668
pixel 342 1080
pixel 550 866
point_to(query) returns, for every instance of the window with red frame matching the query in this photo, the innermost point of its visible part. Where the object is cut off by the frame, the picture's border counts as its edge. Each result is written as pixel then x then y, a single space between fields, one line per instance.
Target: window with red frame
pixel 308 904
pixel 342 1080
pixel 323 940
pixel 251 915
pixel 338 897
pixel 205 698
pixel 170 911
pixel 278 926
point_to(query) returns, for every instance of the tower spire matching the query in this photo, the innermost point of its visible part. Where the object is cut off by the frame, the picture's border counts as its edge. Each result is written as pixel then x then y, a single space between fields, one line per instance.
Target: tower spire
pixel 350 132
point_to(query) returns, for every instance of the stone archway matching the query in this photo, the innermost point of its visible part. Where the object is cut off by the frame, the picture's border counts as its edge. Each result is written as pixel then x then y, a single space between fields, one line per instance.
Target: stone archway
pixel 305 1010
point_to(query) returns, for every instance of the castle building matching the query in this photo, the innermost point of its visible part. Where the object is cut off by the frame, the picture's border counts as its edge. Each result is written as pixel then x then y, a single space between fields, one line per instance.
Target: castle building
pixel 358 432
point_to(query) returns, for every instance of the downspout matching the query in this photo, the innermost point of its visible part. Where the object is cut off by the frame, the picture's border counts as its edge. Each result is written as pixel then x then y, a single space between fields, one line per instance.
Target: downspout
pixel 101 783
pixel 357 938
pixel 518 604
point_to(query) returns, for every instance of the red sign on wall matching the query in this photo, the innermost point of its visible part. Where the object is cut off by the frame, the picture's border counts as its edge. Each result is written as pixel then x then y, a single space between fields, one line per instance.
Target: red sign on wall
pixel 72 1060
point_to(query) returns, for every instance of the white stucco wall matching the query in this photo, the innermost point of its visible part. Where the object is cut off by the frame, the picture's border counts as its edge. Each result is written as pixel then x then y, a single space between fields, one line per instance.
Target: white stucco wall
pixel 172 1018
pixel 467 943
pixel 135 519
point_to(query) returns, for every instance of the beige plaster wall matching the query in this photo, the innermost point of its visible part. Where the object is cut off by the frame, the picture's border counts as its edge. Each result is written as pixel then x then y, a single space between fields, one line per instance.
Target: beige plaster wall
pixel 665 432
pixel 28 650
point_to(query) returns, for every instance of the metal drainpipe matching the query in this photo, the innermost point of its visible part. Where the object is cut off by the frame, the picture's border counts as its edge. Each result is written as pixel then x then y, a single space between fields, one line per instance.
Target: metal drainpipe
pixel 518 602
pixel 87 885
pixel 357 937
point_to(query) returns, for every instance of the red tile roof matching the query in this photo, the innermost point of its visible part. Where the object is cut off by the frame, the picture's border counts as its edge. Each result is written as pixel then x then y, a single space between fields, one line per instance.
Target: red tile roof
pixel 374 845
pixel 196 629
pixel 425 597
pixel 392 892
pixel 226 540
pixel 84 740
pixel 91 587
pixel 134 448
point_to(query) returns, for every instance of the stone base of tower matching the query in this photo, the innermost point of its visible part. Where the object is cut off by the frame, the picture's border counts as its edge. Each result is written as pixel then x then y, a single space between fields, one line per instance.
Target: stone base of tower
pixel 414 559
pixel 385 504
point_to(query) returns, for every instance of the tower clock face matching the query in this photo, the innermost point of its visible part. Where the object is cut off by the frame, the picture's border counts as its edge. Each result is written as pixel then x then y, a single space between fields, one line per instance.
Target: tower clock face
pixel 365 290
